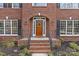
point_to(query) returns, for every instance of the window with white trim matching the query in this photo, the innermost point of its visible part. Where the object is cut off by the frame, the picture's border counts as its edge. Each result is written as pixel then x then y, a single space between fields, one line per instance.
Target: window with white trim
pixel 15 5
pixel 69 27
pixel 39 4
pixel 1 5
pixel 8 27
pixel 10 5
pixel 69 5
pixel 1 27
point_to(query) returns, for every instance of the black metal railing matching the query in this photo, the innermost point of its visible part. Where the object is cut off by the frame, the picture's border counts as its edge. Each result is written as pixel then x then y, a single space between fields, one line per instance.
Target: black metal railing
pixel 50 40
pixel 29 40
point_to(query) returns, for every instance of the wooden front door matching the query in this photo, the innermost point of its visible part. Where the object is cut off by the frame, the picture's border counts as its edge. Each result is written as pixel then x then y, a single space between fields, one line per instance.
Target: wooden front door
pixel 38 28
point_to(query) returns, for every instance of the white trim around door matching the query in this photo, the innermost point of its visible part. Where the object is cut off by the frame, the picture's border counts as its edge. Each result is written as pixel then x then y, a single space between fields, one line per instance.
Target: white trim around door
pixel 34 25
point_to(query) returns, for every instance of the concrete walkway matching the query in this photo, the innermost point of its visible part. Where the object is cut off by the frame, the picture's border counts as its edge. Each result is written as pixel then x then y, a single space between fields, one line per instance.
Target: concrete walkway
pixel 39 54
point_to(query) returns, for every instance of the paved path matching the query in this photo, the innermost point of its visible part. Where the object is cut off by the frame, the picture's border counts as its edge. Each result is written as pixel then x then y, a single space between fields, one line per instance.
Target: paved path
pixel 39 54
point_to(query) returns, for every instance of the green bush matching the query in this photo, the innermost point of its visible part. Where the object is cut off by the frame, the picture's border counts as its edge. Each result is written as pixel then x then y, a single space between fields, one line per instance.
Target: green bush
pixel 60 53
pixel 73 45
pixel 2 54
pixel 73 54
pixel 77 48
pixel 21 54
pixel 62 40
pixel 24 52
pixel 50 54
pixel 8 44
pixel 22 47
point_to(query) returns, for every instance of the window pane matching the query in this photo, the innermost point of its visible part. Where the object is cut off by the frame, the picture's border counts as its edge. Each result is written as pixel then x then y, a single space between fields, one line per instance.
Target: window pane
pixel 1 27
pixel 62 27
pixel 7 30
pixel 14 30
pixel 1 30
pixel 7 23
pixel 14 27
pixel 9 5
pixel 7 27
pixel 1 23
pixel 14 23
pixel 16 5
pixel 39 4
pixel 76 27
pixel 5 5
pixel 1 5
pixel 69 5
pixel 69 27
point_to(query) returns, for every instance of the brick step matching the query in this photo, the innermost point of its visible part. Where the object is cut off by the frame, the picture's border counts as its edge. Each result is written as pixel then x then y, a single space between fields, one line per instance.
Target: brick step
pixel 39 44
pixel 39 41
pixel 40 51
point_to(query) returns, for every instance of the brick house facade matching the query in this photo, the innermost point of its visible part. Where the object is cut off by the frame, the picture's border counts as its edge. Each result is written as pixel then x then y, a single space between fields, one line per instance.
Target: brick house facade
pixel 39 22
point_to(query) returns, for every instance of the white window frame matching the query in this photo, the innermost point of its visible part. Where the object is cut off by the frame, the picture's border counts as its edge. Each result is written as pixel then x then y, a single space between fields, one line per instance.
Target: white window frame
pixel 15 7
pixel 11 28
pixel 34 27
pixel 39 4
pixel 70 6
pixel 44 27
pixel 72 28
pixel 2 5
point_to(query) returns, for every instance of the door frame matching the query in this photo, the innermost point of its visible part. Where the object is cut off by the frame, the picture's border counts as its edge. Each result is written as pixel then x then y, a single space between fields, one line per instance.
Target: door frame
pixel 34 25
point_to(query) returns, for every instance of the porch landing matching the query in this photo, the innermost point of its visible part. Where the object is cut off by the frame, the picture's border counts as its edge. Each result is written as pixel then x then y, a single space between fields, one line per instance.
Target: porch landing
pixel 39 38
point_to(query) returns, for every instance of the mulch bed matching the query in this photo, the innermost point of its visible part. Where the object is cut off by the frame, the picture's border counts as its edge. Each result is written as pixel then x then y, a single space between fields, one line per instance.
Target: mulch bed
pixel 10 51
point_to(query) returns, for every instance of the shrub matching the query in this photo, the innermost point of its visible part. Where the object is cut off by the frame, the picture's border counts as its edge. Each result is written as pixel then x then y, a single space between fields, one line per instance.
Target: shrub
pixel 21 54
pixel 24 52
pixel 62 40
pixel 22 47
pixel 77 48
pixel 2 54
pixel 60 53
pixel 73 54
pixel 50 54
pixel 73 45
pixel 8 44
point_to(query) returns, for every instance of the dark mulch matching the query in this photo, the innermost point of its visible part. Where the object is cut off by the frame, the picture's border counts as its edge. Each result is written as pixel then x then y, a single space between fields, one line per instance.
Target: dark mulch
pixel 64 47
pixel 10 51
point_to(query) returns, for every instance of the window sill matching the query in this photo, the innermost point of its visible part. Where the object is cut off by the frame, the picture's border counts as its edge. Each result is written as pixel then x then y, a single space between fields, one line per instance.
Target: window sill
pixel 8 35
pixel 10 8
pixel 69 35
pixel 69 8
pixel 39 6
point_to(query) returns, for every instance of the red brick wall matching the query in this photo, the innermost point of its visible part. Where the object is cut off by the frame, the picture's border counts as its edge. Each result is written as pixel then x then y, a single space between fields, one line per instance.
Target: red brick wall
pixel 12 13
pixel 28 11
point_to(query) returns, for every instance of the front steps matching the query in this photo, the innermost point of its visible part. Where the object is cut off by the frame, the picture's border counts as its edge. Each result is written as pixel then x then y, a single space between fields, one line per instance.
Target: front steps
pixel 39 46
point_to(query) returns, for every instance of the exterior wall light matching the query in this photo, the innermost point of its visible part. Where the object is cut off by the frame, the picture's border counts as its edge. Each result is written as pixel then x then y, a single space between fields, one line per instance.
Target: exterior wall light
pixel 70 18
pixel 7 17
pixel 39 14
